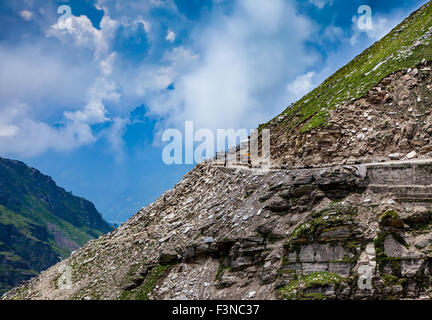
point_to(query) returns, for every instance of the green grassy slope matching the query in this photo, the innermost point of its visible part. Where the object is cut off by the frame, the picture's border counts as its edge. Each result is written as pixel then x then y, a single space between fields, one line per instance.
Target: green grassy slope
pixel 40 223
pixel 404 47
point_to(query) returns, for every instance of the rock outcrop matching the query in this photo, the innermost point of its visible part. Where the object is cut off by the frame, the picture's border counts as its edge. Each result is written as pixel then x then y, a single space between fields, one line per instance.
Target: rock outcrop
pixel 225 233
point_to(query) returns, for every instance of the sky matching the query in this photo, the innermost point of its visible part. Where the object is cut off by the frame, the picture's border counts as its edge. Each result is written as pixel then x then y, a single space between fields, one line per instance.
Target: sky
pixel 86 98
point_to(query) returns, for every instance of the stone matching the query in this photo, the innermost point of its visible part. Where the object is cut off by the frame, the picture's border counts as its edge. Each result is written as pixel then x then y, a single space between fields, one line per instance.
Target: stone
pixel 394 249
pixel 241 262
pixel 188 253
pixel 393 222
pixel 307 254
pixel 370 249
pixel 302 190
pixel 268 276
pixel 412 268
pixel 411 155
pixel 209 240
pixel 309 268
pixel 336 233
pixel 226 280
pixel 278 205
pixel 343 269
pixel 329 252
pixel 327 177
pixel 202 250
pixel 267 196
pixel 397 289
pixel 395 156
pixel 420 215
pixel 303 179
pixel 168 257
pixel 423 243
pixel 291 257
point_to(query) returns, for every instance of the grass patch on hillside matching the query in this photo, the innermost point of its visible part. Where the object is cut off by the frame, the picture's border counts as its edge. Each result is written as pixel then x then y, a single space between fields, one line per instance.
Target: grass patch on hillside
pixel 295 290
pixel 145 289
pixel 404 47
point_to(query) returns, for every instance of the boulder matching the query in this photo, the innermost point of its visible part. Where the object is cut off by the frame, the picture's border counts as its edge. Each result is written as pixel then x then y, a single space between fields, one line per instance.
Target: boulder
pixel 168 257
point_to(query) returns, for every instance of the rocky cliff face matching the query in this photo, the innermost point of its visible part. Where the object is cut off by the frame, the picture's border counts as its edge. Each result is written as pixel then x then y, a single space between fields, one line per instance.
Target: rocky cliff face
pixel 333 218
pixel 40 223
pixel 376 106
pixel 392 121
pixel 224 233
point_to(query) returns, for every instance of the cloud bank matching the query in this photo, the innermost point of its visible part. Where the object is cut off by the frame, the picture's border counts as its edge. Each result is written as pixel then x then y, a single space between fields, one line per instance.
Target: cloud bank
pixel 74 83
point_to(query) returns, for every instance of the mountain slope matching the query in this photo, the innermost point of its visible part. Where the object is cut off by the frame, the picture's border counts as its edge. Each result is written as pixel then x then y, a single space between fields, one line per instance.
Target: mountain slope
pixel 291 233
pixel 39 222
pixel 310 120
pixel 404 47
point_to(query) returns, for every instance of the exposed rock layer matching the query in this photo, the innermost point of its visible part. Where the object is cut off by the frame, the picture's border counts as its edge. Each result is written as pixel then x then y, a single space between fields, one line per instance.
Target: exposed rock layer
pixel 226 234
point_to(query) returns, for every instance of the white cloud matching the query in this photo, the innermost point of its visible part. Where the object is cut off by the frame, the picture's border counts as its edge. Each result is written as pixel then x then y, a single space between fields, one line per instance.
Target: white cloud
pixel 170 36
pixel 301 85
pixel 333 33
pixel 31 80
pixel 381 26
pixel 95 112
pixel 246 58
pixel 232 73
pixel 127 8
pixel 31 75
pixel 114 134
pixel 146 24
pixel 321 3
pixel 8 131
pixel 106 65
pixel 151 79
pixel 26 14
pixel 80 32
pixel 31 137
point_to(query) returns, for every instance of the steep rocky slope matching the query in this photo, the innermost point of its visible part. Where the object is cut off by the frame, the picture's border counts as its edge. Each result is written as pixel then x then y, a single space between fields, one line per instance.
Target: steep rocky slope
pixel 376 105
pixel 40 223
pixel 330 220
pixel 228 234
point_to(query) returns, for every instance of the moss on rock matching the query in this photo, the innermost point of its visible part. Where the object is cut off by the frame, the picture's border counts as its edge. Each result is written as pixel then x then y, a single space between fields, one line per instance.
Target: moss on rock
pixel 145 289
pixel 297 289
pixel 335 216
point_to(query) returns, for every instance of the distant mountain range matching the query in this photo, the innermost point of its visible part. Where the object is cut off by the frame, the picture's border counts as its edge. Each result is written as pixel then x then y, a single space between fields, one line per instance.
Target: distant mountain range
pixel 40 223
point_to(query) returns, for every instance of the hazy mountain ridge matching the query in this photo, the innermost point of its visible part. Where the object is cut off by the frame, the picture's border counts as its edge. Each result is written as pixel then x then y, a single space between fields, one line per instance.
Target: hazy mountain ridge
pixel 39 222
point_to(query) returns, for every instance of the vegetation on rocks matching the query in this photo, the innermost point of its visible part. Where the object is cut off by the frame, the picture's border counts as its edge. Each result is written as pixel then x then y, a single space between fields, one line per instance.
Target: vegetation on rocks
pixel 404 47
pixel 337 214
pixel 143 291
pixel 40 223
pixel 297 289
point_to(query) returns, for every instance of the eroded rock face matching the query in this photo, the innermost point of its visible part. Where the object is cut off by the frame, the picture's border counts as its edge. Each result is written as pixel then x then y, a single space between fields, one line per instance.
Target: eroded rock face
pixel 391 122
pixel 226 233
pixel 335 232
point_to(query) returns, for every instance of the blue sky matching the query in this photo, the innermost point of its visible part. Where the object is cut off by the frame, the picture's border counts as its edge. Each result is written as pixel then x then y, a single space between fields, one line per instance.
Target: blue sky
pixel 86 102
